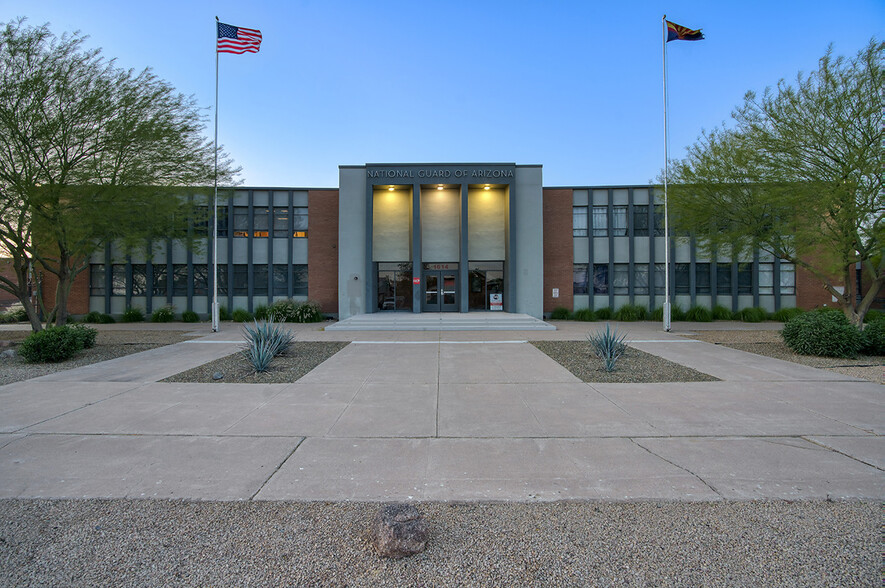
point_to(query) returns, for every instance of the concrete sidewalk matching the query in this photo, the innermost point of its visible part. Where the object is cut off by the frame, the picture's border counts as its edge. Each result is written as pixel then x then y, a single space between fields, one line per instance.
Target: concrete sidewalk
pixel 444 416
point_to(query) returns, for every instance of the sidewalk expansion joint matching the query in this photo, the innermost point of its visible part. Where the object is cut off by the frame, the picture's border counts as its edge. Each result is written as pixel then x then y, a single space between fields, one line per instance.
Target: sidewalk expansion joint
pixel 273 473
pixel 135 386
pixel 866 463
pixel 683 468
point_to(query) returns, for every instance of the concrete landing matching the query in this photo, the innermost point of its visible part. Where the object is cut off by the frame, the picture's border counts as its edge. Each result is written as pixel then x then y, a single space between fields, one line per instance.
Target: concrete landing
pixel 441 321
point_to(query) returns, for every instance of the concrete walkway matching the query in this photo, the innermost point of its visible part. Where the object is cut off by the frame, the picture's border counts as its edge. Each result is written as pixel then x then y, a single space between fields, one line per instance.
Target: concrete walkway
pixel 444 416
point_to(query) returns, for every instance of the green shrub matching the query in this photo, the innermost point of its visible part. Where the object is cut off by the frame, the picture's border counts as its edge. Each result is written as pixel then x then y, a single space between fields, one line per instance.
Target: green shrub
pixel 163 315
pixel 720 313
pixel 52 344
pixel 264 341
pixel 132 315
pixel 872 316
pixel 608 345
pixel 676 314
pixel 308 312
pixel 189 316
pixel 241 315
pixel 560 313
pixel 224 314
pixel 585 315
pixel 827 334
pixel 603 314
pixel 14 315
pixel 91 317
pixel 751 315
pixel 785 314
pixel 872 338
pixel 699 314
pixel 86 334
pixel 631 312
pixel 262 312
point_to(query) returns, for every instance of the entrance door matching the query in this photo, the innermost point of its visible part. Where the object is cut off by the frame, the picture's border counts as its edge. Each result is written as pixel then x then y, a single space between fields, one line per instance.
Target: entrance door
pixel 440 291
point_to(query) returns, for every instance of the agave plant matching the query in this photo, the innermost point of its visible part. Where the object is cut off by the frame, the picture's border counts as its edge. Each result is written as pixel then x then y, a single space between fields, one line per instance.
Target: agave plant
pixel 264 341
pixel 608 345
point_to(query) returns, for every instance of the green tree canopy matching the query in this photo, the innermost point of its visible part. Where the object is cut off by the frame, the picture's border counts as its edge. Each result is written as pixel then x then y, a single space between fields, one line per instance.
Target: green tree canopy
pixel 799 175
pixel 90 153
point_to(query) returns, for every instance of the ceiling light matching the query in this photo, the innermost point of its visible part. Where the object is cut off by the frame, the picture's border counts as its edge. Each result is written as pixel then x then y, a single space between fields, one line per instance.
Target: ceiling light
pixel 390 189
pixel 439 187
pixel 486 188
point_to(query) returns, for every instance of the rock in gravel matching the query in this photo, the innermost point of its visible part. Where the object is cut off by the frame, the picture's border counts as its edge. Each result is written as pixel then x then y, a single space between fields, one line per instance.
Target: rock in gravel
pixel 217 376
pixel 8 353
pixel 398 530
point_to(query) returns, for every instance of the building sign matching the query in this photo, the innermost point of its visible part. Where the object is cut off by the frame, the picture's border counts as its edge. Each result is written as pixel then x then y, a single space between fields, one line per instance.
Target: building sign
pixel 496 302
pixel 440 173
pixel 416 281
pixel 440 266
pixel 556 292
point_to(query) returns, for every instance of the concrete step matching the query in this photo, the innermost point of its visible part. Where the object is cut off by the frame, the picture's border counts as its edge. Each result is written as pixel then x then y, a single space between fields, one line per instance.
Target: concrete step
pixel 474 321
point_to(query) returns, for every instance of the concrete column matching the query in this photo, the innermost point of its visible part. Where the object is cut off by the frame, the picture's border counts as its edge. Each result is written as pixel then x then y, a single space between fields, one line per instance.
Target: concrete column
pixel 463 286
pixel 417 264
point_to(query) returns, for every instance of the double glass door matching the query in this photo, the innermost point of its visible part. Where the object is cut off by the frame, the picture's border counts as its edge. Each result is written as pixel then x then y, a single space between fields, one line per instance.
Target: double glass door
pixel 440 290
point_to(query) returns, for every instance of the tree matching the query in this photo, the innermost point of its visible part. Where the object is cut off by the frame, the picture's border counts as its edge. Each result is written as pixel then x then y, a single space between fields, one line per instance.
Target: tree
pixel 89 154
pixel 799 175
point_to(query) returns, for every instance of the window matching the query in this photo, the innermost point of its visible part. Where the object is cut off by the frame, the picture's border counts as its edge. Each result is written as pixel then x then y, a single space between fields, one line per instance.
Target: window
pixel 621 279
pixel 201 279
pixel 221 221
pixel 579 221
pixel 394 286
pixel 299 221
pixel 259 280
pixel 600 278
pixel 580 279
pixel 660 277
pixel 723 278
pixel 640 220
pixel 118 279
pixel 179 279
pixel 259 222
pixel 201 221
pixel 640 278
pixel 160 280
pixel 139 279
pixel 299 280
pixel 240 283
pixel 683 279
pixel 619 221
pixel 280 222
pixel 96 279
pixel 241 221
pixel 600 221
pixel 766 278
pixel 280 274
pixel 745 278
pixel 788 278
pixel 222 279
pixel 659 220
pixel 702 278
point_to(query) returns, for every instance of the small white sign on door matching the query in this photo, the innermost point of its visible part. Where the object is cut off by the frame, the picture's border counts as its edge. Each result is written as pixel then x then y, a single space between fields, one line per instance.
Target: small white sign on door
pixel 496 302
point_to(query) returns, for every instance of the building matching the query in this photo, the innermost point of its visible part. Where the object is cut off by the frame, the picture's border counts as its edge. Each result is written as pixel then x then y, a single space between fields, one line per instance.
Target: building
pixel 436 238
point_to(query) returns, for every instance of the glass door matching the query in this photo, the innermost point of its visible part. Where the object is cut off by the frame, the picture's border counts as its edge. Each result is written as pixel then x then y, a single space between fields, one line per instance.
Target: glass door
pixel 440 291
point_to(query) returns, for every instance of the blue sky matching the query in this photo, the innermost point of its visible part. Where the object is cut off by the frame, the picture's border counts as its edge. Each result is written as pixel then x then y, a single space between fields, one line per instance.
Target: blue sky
pixel 574 86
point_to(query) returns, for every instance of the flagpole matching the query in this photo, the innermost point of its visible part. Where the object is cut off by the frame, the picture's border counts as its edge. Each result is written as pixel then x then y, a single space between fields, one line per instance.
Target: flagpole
pixel 215 201
pixel 666 212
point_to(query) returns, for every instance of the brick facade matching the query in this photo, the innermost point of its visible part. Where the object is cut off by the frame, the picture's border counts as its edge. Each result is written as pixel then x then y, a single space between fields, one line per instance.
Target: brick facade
pixel 559 252
pixel 78 299
pixel 322 248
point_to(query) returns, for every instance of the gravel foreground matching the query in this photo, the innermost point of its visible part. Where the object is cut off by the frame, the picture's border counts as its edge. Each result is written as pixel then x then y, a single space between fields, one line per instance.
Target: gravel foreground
pixel 175 543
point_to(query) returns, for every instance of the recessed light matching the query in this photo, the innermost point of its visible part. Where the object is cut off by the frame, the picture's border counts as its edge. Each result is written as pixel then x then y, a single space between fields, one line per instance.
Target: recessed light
pixel 439 187
pixel 486 188
pixel 390 189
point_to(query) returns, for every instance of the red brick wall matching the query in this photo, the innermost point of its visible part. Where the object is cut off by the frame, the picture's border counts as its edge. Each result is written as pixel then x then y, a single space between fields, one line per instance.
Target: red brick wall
pixel 322 248
pixel 78 300
pixel 558 249
pixel 7 299
pixel 810 292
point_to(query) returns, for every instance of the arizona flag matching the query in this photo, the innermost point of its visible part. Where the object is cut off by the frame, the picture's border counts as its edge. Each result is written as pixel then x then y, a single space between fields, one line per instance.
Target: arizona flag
pixel 237 40
pixel 677 32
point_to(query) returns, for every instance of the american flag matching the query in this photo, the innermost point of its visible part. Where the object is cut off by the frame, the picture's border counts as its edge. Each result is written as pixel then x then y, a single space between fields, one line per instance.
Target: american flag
pixel 237 40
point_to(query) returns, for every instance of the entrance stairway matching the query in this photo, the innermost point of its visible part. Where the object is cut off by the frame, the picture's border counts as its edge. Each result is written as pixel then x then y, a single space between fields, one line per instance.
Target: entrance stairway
pixel 441 321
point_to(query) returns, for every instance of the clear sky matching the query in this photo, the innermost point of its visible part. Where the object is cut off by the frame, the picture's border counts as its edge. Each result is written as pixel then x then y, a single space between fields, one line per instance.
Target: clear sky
pixel 574 86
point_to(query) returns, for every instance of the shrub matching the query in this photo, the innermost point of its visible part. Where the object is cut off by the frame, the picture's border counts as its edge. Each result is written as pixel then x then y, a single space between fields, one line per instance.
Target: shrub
pixel 86 335
pixel 826 334
pixel 262 312
pixel 584 314
pixel 308 312
pixel 51 345
pixel 608 345
pixel 872 316
pixel 561 313
pixel 785 314
pixel 189 316
pixel 163 315
pixel 283 310
pixel 224 314
pixel 631 312
pixel 676 313
pixel 241 315
pixel 699 314
pixel 603 314
pixel 91 317
pixel 751 315
pixel 264 341
pixel 720 313
pixel 872 338
pixel 14 315
pixel 132 315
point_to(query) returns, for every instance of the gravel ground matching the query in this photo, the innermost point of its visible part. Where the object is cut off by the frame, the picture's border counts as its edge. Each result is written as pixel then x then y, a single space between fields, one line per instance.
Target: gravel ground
pixel 634 366
pixel 108 345
pixel 301 357
pixel 164 543
pixel 771 344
